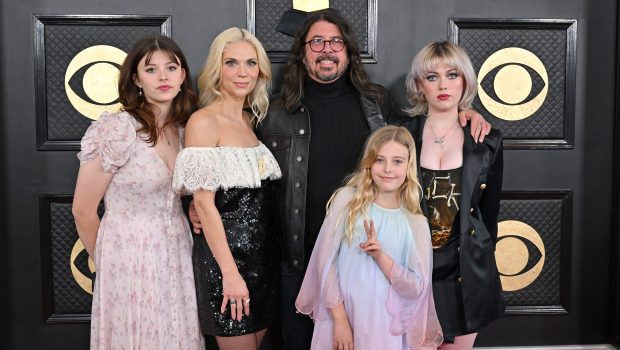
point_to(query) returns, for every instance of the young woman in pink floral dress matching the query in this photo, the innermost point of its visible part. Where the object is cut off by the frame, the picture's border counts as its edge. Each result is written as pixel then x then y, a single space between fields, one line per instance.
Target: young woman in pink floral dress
pixel 144 296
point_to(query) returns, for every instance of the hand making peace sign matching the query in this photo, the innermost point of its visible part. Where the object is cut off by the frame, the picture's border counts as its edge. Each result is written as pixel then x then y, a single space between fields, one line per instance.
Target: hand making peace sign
pixel 372 245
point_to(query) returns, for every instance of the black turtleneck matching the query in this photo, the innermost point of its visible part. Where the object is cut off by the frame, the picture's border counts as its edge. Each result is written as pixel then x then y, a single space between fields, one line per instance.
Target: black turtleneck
pixel 338 130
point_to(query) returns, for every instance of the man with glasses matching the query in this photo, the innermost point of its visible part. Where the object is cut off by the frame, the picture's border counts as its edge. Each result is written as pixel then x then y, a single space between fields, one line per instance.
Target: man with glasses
pixel 316 129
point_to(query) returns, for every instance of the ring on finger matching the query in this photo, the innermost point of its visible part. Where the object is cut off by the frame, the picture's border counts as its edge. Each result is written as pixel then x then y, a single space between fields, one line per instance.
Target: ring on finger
pixel 246 301
pixel 233 301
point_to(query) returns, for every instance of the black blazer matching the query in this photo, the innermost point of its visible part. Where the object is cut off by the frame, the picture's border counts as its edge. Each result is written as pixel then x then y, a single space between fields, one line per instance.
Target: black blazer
pixel 476 223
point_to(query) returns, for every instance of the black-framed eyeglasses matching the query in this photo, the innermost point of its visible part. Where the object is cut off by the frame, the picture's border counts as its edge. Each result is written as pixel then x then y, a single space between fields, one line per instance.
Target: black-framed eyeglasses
pixel 318 44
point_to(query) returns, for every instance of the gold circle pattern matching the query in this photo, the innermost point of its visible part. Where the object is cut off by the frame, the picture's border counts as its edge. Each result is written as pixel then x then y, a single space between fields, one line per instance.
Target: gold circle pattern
pixel 92 54
pixel 509 253
pixel 100 81
pixel 516 260
pixel 81 279
pixel 512 84
pixel 506 56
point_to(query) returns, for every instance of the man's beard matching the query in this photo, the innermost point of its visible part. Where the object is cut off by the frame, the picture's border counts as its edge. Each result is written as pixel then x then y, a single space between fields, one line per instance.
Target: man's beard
pixel 327 76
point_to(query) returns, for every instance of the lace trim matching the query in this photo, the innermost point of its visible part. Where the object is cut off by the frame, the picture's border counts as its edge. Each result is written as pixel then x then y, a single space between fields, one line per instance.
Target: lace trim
pixel 213 168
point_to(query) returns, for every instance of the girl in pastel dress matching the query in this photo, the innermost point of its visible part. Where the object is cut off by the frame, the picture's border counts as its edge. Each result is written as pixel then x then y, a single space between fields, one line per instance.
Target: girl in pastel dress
pixel 144 296
pixel 368 282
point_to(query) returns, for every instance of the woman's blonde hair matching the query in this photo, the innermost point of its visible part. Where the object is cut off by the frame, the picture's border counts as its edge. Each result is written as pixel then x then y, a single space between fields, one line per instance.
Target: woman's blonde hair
pixel 426 60
pixel 365 189
pixel 209 80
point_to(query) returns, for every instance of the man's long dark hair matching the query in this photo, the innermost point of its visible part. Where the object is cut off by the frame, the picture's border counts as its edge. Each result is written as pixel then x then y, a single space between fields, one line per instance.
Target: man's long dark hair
pixel 295 71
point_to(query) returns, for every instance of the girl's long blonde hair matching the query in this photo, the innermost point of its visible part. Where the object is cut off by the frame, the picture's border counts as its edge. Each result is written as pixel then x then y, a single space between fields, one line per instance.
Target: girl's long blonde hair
pixel 365 189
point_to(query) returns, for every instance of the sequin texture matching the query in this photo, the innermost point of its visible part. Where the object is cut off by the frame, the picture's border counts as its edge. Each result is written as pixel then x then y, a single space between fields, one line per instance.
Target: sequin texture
pixel 248 215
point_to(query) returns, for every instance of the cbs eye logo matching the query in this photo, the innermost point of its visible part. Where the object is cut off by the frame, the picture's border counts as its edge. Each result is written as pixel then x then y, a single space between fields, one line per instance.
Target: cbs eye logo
pixel 519 80
pixel 519 254
pixel 91 80
pixel 82 267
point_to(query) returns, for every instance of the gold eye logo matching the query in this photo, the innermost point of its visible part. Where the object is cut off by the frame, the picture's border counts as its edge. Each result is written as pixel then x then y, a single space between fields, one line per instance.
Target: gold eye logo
pixel 519 254
pixel 79 257
pixel 98 67
pixel 515 72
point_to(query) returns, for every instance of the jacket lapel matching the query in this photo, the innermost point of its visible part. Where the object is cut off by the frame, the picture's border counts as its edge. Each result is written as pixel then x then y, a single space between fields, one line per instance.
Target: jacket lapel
pixel 472 160
pixel 416 128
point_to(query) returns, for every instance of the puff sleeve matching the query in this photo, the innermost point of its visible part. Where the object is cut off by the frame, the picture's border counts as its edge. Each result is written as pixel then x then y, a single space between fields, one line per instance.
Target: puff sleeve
pixel 111 138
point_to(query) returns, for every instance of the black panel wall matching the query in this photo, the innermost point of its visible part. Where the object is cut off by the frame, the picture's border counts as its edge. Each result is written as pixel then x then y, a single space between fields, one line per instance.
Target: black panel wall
pixel 4 312
pixel 614 332
pixel 588 308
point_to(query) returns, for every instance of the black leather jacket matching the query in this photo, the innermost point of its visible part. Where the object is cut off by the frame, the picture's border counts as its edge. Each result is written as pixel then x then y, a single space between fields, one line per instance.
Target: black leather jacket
pixel 287 135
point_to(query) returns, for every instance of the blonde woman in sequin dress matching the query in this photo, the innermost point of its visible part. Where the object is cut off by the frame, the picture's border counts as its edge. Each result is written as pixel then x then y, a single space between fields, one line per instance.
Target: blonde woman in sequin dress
pixel 229 172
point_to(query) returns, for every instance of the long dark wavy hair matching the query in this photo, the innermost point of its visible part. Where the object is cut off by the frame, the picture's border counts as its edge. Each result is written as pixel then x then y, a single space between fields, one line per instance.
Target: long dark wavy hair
pixel 135 104
pixel 295 71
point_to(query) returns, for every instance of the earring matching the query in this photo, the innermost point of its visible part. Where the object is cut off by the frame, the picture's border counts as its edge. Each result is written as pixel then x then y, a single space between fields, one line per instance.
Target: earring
pixel 140 91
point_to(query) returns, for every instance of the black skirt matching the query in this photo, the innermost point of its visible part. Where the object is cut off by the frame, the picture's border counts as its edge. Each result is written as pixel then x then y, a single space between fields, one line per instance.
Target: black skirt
pixel 447 290
pixel 248 215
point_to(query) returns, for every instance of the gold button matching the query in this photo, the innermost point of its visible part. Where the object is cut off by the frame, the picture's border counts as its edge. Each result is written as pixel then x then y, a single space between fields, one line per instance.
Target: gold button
pixel 458 249
pixel 297 184
pixel 472 231
pixel 296 211
pixel 483 186
pixel 302 109
pixel 295 262
pixel 460 279
pixel 299 158
pixel 471 210
pixel 274 144
pixel 295 237
pixel 302 131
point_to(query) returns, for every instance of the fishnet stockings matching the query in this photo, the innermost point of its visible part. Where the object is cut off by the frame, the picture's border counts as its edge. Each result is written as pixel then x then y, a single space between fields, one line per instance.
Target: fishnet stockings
pixel 250 341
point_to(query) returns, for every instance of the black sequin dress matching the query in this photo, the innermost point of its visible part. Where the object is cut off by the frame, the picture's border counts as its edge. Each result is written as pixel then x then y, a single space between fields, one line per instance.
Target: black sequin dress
pixel 242 179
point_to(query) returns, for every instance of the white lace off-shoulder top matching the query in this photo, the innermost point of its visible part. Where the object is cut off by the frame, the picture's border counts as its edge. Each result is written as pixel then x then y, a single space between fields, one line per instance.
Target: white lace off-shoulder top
pixel 223 167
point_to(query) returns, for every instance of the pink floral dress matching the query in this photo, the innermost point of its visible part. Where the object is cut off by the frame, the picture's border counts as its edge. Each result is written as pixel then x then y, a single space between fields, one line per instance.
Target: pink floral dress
pixel 144 296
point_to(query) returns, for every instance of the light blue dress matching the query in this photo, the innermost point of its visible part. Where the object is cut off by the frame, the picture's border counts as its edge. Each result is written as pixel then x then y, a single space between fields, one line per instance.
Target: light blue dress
pixel 394 312
pixel 364 286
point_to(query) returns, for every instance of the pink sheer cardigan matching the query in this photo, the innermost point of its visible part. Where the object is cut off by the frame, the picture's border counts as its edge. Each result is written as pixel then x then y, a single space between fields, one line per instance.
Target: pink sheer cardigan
pixel 410 297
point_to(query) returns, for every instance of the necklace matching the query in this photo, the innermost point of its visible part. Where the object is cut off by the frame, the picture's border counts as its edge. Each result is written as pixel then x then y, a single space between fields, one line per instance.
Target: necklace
pixel 440 139
pixel 162 135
